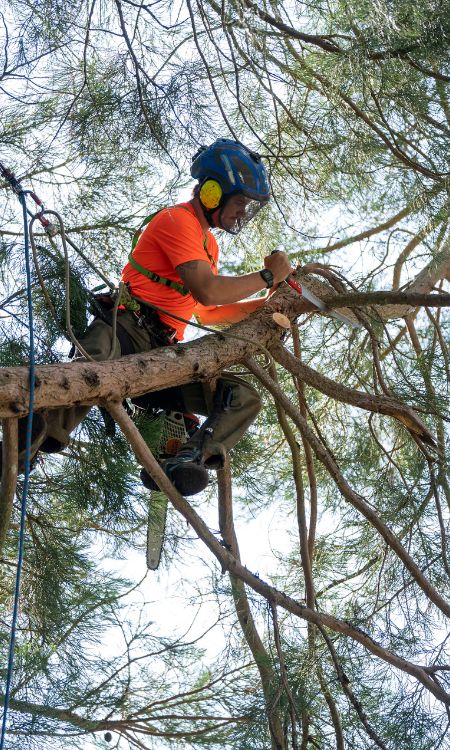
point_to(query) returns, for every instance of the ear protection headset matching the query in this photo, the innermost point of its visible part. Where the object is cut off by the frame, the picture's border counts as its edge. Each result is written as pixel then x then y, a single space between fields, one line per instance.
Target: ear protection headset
pixel 210 194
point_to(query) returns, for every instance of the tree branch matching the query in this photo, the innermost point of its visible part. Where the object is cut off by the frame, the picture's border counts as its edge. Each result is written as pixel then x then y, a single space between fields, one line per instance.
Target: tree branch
pixel 376 404
pixel 9 459
pixel 354 498
pixel 229 562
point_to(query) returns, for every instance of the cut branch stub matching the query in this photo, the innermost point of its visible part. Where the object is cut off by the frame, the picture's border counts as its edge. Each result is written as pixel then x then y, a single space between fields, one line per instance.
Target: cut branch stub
pixel 281 320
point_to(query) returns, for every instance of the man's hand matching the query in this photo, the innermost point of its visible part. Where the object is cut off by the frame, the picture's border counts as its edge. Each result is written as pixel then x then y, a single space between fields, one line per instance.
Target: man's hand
pixel 280 266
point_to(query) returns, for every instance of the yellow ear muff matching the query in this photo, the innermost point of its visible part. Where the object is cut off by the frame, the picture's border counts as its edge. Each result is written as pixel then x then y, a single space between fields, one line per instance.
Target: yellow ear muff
pixel 210 194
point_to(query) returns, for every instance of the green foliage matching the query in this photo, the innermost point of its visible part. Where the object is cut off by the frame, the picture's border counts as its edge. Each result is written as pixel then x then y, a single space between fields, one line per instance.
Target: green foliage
pixel 102 108
pixel 53 270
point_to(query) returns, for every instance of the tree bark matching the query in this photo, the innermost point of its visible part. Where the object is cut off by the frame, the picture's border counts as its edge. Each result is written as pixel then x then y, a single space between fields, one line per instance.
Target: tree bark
pixel 9 460
pixel 83 382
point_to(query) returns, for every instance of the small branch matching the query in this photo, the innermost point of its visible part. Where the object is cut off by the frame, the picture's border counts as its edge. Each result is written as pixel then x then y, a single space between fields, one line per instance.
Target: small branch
pixel 407 250
pixel 308 452
pixel 334 713
pixel 382 298
pixel 9 460
pixel 284 677
pixel 319 41
pixel 343 679
pixel 376 404
pixel 367 233
pixel 356 500
pixel 260 655
pixel 300 498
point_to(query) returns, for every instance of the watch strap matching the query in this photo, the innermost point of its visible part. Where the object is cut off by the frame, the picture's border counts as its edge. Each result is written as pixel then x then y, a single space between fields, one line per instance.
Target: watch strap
pixel 267 275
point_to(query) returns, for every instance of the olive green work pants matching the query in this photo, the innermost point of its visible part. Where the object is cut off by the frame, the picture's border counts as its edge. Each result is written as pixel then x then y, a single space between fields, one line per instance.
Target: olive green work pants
pixel 197 398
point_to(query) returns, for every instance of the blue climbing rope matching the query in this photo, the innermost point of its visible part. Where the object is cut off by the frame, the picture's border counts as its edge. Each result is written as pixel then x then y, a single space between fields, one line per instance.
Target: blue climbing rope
pixel 12 640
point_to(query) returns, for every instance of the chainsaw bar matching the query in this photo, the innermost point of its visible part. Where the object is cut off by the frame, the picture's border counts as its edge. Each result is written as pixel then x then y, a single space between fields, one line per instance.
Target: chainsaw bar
pixel 156 528
pixel 173 434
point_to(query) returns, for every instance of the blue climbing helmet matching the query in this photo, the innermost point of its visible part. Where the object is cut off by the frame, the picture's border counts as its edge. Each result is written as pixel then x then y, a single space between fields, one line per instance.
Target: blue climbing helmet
pixel 228 168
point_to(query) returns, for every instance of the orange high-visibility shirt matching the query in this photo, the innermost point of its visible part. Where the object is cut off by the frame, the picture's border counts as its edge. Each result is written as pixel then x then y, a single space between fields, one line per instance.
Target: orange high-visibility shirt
pixel 172 237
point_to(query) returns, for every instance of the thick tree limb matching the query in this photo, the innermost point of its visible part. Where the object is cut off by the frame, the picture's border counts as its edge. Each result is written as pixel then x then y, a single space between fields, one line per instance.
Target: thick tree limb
pixel 334 713
pixel 80 382
pixel 71 383
pixel 9 458
pixel 438 268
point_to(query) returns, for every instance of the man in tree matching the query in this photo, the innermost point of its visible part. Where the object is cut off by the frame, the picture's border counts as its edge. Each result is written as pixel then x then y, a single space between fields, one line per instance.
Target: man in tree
pixel 173 272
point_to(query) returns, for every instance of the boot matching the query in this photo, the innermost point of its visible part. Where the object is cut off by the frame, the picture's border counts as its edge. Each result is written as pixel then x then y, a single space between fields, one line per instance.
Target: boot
pixel 184 470
pixel 213 453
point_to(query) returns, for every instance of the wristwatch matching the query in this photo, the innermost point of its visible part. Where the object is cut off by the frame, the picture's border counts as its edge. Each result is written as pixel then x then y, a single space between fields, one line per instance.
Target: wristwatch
pixel 267 275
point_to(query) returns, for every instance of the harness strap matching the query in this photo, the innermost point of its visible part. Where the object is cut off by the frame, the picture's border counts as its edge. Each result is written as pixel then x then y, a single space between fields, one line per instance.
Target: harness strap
pixel 156 277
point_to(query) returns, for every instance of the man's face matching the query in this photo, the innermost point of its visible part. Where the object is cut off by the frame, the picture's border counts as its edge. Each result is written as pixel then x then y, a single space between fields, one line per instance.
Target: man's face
pixel 232 214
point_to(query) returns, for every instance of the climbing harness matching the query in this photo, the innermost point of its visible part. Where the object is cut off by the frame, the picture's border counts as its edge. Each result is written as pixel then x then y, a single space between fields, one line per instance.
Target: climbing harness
pixel 157 278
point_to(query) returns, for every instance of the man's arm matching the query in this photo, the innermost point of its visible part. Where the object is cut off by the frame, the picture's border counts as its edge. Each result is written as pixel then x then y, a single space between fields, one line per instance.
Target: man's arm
pixel 225 315
pixel 209 289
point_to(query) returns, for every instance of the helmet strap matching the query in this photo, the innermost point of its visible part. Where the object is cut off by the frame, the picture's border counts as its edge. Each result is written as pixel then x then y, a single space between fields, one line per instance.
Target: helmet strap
pixel 207 213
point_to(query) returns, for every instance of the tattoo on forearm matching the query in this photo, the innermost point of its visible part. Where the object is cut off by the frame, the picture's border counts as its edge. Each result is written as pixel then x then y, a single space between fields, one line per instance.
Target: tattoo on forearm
pixel 191 265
